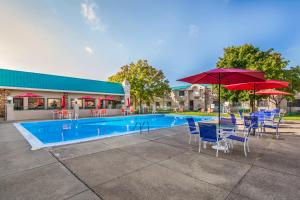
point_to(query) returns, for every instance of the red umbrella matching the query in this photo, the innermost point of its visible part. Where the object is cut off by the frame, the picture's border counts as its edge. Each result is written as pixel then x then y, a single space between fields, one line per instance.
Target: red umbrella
pixel 267 84
pixel 63 101
pixel 28 94
pixel 224 76
pixel 87 97
pixel 272 92
pixel 127 102
pixel 108 98
pixel 99 102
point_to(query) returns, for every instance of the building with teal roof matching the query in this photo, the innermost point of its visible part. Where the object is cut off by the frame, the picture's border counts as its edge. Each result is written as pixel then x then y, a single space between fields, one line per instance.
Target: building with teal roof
pixel 37 95
pixel 28 80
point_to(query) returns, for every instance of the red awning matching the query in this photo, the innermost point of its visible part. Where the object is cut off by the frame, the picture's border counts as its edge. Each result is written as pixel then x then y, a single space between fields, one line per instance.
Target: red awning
pixel 87 97
pixel 267 84
pixel 28 94
pixel 272 92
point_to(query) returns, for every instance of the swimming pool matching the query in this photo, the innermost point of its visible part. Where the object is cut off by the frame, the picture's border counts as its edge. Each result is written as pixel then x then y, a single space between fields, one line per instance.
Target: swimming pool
pixel 59 132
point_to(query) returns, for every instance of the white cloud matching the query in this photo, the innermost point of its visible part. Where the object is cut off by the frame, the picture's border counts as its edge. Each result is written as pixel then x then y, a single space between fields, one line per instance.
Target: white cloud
pixel 194 31
pixel 88 10
pixel 89 50
pixel 121 45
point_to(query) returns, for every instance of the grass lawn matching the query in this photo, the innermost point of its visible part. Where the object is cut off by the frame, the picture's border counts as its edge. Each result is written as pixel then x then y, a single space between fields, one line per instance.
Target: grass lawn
pixel 200 114
pixel 287 117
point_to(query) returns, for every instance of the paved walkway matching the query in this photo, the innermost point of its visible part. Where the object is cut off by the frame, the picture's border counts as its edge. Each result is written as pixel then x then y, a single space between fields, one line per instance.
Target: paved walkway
pixel 159 165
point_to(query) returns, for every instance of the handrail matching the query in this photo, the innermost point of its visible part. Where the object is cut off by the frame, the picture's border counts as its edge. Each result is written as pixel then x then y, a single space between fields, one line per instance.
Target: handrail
pixel 141 125
pixel 146 122
pixel 136 123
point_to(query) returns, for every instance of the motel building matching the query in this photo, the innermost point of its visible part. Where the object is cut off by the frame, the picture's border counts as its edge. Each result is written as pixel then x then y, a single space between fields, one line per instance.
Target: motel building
pixel 28 95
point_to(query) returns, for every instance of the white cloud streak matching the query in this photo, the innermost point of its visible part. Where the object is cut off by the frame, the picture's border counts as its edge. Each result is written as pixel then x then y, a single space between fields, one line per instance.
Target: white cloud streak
pixel 89 50
pixel 88 11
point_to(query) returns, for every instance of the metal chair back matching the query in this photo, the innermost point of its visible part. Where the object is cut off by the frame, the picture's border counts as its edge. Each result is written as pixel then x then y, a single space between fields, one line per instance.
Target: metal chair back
pixel 208 131
pixel 192 125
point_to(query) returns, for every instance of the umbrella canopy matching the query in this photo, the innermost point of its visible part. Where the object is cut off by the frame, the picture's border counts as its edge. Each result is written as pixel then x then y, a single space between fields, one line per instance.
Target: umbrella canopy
pixel 272 92
pixel 63 101
pixel 87 97
pixel 28 94
pixel 108 98
pixel 267 84
pixel 224 76
pixel 127 102
pixel 99 103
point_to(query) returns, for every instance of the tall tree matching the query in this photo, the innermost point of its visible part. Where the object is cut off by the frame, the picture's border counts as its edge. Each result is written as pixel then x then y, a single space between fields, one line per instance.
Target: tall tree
pixel 249 57
pixel 146 81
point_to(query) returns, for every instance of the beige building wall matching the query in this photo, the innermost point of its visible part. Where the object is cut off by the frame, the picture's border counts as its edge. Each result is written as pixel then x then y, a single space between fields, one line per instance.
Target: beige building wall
pixel 195 97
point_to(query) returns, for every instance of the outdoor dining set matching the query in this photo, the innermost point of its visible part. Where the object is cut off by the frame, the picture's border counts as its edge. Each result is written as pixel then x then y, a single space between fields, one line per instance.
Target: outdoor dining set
pixel 222 135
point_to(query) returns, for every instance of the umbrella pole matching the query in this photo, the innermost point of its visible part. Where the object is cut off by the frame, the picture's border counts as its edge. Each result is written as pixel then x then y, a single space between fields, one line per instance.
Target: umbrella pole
pixel 219 114
pixel 254 101
pixel 253 104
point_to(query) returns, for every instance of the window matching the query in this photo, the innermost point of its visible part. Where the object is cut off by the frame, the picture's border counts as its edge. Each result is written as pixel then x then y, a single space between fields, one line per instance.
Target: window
pixel 89 103
pixel 181 103
pixel 36 103
pixel 157 104
pixel 169 104
pixel 295 103
pixel 181 93
pixel 79 102
pixel 54 103
pixel 18 103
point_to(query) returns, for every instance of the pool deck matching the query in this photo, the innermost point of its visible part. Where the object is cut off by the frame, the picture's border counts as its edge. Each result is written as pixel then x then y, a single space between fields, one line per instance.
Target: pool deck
pixel 156 165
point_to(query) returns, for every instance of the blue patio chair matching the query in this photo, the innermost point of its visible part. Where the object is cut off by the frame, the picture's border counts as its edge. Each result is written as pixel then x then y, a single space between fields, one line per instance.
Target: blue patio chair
pixel 244 140
pixel 269 118
pixel 233 119
pixel 208 133
pixel 276 111
pixel 227 125
pixel 192 128
pixel 241 114
pixel 268 114
pixel 251 120
pixel 261 120
pixel 247 123
pixel 275 126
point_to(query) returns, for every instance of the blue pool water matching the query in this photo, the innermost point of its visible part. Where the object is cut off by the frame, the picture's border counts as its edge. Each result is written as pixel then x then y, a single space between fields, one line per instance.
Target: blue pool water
pixel 62 131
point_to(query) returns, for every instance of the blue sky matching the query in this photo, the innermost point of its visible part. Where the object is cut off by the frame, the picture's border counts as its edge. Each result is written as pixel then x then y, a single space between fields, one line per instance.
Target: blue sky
pixel 92 39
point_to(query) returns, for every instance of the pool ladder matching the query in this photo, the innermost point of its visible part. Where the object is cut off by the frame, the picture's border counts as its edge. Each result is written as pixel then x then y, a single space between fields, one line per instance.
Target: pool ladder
pixel 142 125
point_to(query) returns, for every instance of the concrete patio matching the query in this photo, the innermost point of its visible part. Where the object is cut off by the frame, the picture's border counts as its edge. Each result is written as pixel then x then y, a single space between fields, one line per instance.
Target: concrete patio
pixel 158 165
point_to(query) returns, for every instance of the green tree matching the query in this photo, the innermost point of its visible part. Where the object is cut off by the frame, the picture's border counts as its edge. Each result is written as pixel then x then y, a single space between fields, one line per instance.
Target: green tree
pixel 146 81
pixel 292 76
pixel 249 57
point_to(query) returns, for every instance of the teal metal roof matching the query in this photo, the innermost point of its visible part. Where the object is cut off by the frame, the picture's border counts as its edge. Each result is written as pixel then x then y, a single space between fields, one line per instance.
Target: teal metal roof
pixel 21 79
pixel 183 87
